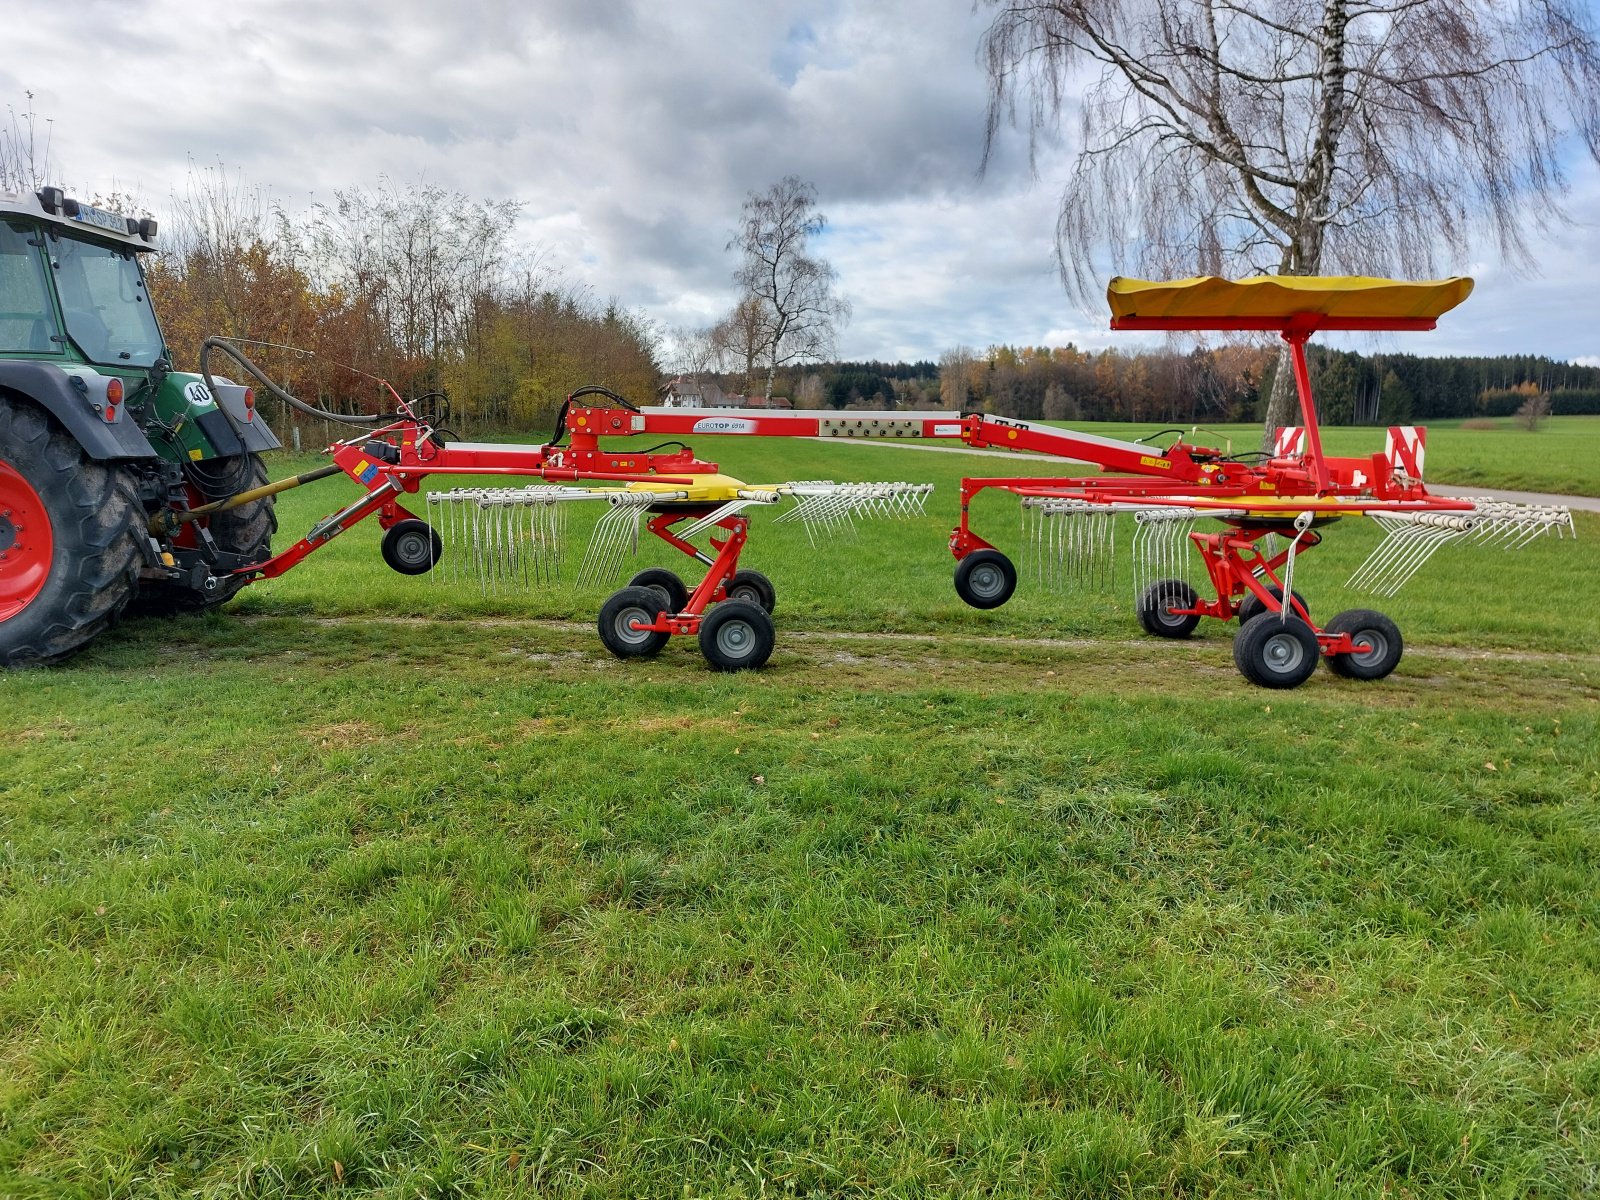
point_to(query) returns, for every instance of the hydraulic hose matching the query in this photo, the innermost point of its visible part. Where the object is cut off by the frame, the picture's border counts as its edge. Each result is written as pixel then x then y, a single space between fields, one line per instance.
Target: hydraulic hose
pixel 589 389
pixel 238 356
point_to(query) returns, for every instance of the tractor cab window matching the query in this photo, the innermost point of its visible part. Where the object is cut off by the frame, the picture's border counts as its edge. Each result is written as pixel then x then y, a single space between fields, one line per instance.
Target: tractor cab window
pixel 27 318
pixel 102 298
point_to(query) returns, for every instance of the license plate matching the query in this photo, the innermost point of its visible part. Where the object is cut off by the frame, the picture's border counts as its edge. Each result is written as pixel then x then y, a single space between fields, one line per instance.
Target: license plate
pixel 90 215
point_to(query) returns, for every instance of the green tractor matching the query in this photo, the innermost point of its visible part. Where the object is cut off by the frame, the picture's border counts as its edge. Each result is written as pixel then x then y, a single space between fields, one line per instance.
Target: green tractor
pixel 106 452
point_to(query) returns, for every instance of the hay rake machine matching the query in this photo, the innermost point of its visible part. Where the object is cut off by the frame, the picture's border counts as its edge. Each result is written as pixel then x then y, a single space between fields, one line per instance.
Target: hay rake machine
pixel 1263 510
pixel 515 536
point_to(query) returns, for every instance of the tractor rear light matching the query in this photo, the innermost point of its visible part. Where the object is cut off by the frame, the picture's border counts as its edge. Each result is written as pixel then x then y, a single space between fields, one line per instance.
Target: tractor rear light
pixel 113 398
pixel 249 404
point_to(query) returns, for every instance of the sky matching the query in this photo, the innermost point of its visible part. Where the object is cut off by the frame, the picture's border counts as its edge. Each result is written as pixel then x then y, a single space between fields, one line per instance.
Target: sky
pixel 631 131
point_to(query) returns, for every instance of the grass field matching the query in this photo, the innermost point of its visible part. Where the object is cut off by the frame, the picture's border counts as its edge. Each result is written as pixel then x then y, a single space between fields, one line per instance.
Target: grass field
pixel 1562 456
pixel 371 885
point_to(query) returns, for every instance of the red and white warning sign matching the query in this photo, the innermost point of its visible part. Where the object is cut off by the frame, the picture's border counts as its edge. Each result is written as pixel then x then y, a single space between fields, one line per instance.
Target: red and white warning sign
pixel 1405 449
pixel 1291 442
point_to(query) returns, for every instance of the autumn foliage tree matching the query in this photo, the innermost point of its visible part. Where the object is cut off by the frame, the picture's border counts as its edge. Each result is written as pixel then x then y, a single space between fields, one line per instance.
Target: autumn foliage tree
pixel 418 286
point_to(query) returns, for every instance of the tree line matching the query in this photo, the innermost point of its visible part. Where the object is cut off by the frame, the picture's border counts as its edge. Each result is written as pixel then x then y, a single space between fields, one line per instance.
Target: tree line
pixel 428 289
pixel 1209 384
pixel 420 286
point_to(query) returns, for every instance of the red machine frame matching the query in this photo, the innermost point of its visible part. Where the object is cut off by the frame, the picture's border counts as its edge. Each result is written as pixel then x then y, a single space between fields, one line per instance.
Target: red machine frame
pixel 1307 487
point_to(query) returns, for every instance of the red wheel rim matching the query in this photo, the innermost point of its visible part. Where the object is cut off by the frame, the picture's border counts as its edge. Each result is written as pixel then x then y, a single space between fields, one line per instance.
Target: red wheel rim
pixel 26 548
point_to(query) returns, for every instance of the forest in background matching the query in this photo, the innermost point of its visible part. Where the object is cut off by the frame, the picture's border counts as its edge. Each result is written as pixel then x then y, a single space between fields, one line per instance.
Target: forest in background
pixel 1226 382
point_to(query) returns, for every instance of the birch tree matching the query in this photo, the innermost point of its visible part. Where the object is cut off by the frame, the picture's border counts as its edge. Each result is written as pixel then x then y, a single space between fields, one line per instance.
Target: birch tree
pixel 1298 137
pixel 793 287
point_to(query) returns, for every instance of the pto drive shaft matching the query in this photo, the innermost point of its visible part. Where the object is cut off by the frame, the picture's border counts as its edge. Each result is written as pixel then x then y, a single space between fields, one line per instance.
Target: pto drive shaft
pixel 165 520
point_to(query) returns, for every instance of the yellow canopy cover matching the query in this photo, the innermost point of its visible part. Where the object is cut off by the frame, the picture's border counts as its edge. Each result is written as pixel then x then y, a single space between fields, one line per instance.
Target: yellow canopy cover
pixel 1281 296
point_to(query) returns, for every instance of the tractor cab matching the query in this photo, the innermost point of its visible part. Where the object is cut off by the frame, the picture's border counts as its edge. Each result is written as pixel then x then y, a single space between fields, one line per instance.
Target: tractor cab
pixel 86 380
pixel 71 285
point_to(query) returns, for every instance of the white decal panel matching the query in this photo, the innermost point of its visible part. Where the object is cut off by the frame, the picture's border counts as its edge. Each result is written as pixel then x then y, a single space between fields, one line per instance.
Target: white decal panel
pixel 724 425
pixel 947 431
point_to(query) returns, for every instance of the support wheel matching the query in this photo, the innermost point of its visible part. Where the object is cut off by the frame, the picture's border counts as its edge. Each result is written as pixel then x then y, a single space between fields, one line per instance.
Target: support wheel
pixel 672 589
pixel 1276 653
pixel 985 579
pixel 1157 602
pixel 736 636
pixel 617 617
pixel 1251 606
pixel 412 547
pixel 753 588
pixel 1382 640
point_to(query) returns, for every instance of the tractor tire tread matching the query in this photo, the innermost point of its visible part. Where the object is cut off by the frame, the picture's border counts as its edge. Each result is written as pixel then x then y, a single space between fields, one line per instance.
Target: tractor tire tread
pixel 95 517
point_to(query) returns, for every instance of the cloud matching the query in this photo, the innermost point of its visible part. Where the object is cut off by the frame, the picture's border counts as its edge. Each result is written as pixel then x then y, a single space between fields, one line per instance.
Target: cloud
pixel 632 131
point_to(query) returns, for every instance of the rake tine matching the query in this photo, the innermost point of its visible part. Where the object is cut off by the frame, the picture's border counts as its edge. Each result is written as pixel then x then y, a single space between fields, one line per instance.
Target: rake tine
pixel 1410 540
pixel 504 535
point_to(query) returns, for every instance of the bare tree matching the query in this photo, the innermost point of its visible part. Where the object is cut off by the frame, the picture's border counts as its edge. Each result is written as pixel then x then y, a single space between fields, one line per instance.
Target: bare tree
pixel 956 367
pixel 1298 136
pixel 1533 411
pixel 793 287
pixel 697 351
pixel 742 337
pixel 24 161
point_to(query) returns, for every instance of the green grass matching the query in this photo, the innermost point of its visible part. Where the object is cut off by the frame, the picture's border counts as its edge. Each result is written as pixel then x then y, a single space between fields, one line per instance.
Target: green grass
pixel 1560 456
pixel 372 886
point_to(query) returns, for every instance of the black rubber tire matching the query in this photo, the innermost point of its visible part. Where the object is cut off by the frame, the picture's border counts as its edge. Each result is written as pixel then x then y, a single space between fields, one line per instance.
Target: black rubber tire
pixel 1251 607
pixel 1157 601
pixel 96 522
pixel 667 583
pixel 246 530
pixel 632 604
pixel 412 547
pixel 1382 637
pixel 1274 652
pixel 737 636
pixel 985 579
pixel 753 588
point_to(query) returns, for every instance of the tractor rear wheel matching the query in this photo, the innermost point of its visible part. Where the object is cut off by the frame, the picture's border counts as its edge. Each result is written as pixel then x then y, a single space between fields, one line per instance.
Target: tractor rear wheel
pixel 246 531
pixel 69 539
